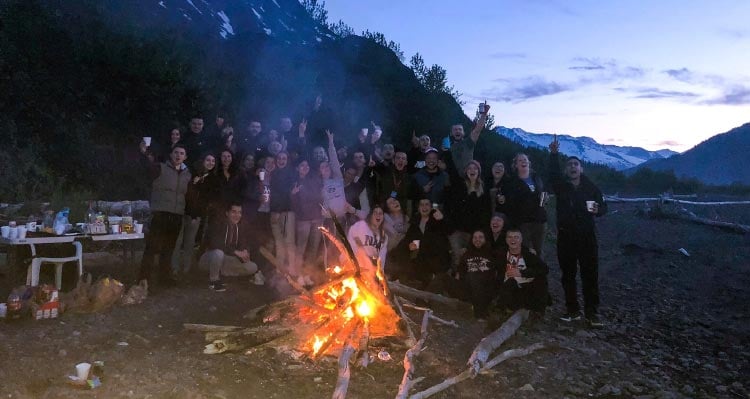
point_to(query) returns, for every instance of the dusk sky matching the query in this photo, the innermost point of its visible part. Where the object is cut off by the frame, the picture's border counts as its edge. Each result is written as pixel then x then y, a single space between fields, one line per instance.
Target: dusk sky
pixel 655 74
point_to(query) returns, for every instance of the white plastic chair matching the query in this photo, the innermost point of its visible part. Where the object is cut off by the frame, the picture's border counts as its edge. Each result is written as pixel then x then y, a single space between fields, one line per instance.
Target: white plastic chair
pixel 32 274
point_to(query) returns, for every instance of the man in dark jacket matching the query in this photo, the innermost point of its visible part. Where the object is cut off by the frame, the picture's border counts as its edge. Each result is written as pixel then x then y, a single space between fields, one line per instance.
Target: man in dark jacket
pixel 524 281
pixel 227 248
pixel 170 183
pixel 578 202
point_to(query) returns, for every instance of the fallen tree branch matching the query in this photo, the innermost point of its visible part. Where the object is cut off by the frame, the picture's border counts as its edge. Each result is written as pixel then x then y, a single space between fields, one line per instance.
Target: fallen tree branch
pixel 211 328
pixel 407 381
pixel 691 217
pixel 412 339
pixel 408 304
pixel 345 372
pixel 403 290
pixel 275 262
pixel 364 344
pixel 493 341
pixel 469 373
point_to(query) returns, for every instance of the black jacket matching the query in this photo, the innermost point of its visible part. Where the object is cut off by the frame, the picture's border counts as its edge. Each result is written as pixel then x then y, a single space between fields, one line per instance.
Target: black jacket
pixel 535 266
pixel 433 245
pixel 522 204
pixel 572 214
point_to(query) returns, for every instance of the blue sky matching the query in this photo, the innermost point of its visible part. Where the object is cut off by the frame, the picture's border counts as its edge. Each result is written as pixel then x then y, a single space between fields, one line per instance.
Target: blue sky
pixel 655 74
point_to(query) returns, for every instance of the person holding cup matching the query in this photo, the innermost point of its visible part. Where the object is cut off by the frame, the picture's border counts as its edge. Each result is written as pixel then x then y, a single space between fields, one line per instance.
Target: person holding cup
pixel 579 201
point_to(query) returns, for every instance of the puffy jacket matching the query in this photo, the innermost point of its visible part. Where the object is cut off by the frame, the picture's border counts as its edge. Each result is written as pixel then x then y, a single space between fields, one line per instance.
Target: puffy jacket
pixel 168 189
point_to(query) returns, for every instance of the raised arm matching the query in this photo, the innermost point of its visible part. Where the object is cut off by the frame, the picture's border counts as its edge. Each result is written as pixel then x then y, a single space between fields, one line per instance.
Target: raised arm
pixel 474 136
pixel 333 157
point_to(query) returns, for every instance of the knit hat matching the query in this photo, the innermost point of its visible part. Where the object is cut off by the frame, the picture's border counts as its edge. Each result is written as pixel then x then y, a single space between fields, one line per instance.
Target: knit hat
pixel 475 163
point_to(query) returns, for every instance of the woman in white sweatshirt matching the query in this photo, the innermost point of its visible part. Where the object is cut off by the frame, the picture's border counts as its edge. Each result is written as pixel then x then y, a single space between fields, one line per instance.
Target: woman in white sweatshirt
pixel 369 241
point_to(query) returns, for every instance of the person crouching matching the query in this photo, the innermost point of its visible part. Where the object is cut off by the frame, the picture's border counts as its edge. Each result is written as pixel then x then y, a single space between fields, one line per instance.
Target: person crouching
pixel 227 243
pixel 524 283
pixel 478 269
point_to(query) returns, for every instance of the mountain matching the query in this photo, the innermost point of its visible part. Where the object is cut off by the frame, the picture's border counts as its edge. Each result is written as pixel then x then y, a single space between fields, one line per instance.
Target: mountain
pixel 586 148
pixel 723 159
pixel 81 82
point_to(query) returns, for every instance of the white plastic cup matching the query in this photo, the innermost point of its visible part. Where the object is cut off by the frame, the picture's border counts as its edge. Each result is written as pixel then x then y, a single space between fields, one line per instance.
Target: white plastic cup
pixel 21 232
pixel 139 228
pixel 590 206
pixel 147 140
pixel 82 371
pixel 115 228
pixel 5 231
pixel 416 242
pixel 262 175
pixel 13 234
pixel 31 226
pixel 3 310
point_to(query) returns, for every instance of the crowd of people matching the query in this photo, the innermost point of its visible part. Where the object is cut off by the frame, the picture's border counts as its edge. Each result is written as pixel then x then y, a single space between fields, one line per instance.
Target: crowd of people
pixel 433 217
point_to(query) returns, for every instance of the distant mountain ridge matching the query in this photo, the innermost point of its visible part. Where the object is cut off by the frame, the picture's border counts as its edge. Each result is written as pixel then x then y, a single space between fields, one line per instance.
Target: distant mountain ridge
pixel 586 148
pixel 723 159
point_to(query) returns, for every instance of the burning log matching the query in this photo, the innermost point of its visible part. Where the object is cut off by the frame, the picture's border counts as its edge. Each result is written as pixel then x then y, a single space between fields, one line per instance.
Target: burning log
pixel 407 381
pixel 469 373
pixel 275 262
pixel 406 291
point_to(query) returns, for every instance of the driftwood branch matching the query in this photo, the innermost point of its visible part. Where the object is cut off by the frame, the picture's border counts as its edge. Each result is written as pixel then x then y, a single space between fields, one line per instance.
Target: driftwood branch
pixel 407 304
pixel 364 344
pixel 210 328
pixel 345 371
pixel 275 262
pixel 469 373
pixel 493 341
pixel 412 339
pixel 408 381
pixel 406 291
pixel 691 217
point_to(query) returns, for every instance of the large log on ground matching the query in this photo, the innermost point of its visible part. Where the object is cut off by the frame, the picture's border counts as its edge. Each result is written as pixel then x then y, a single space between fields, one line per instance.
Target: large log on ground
pixel 493 341
pixel 406 291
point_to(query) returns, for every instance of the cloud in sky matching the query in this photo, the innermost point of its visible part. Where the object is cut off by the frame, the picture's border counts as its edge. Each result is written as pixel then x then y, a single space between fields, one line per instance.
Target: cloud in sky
pixel 739 34
pixel 733 95
pixel 655 93
pixel 670 143
pixel 519 90
pixel 688 76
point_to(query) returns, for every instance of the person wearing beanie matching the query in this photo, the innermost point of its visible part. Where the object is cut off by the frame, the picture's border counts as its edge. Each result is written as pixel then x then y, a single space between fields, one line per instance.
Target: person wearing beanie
pixel 468 208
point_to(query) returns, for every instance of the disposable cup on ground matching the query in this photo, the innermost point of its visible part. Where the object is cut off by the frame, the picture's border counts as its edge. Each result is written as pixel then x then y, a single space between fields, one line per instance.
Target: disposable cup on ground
pixel 82 370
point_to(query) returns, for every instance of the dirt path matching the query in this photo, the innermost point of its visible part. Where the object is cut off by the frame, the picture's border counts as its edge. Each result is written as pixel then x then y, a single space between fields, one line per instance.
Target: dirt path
pixel 677 326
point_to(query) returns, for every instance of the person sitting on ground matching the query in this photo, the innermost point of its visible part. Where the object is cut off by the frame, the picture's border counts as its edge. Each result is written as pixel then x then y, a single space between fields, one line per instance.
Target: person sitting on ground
pixel 426 242
pixel 524 280
pixel 496 233
pixel 478 269
pixel 227 248
pixel 369 242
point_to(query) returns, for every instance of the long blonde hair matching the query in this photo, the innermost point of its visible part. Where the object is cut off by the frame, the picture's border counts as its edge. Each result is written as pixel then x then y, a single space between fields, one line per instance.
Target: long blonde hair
pixel 478 186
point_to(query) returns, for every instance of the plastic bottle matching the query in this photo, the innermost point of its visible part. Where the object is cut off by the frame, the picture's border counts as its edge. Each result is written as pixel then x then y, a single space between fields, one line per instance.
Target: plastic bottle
pixel 127 217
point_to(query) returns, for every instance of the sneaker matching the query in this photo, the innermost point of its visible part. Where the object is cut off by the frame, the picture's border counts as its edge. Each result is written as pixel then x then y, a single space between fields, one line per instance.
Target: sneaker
pixel 258 278
pixel 594 322
pixel 217 286
pixel 571 316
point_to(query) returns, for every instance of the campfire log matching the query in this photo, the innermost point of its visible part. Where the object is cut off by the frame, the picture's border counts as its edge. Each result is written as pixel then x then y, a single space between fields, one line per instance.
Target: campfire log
pixel 407 321
pixel 364 344
pixel 432 315
pixel 275 262
pixel 406 291
pixel 469 373
pixel 493 341
pixel 407 381
pixel 345 371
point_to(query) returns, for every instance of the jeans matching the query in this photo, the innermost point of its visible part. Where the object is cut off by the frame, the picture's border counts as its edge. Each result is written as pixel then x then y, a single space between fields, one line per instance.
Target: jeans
pixel 533 236
pixel 185 244
pixel 160 240
pixel 219 264
pixel 308 242
pixel 283 235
